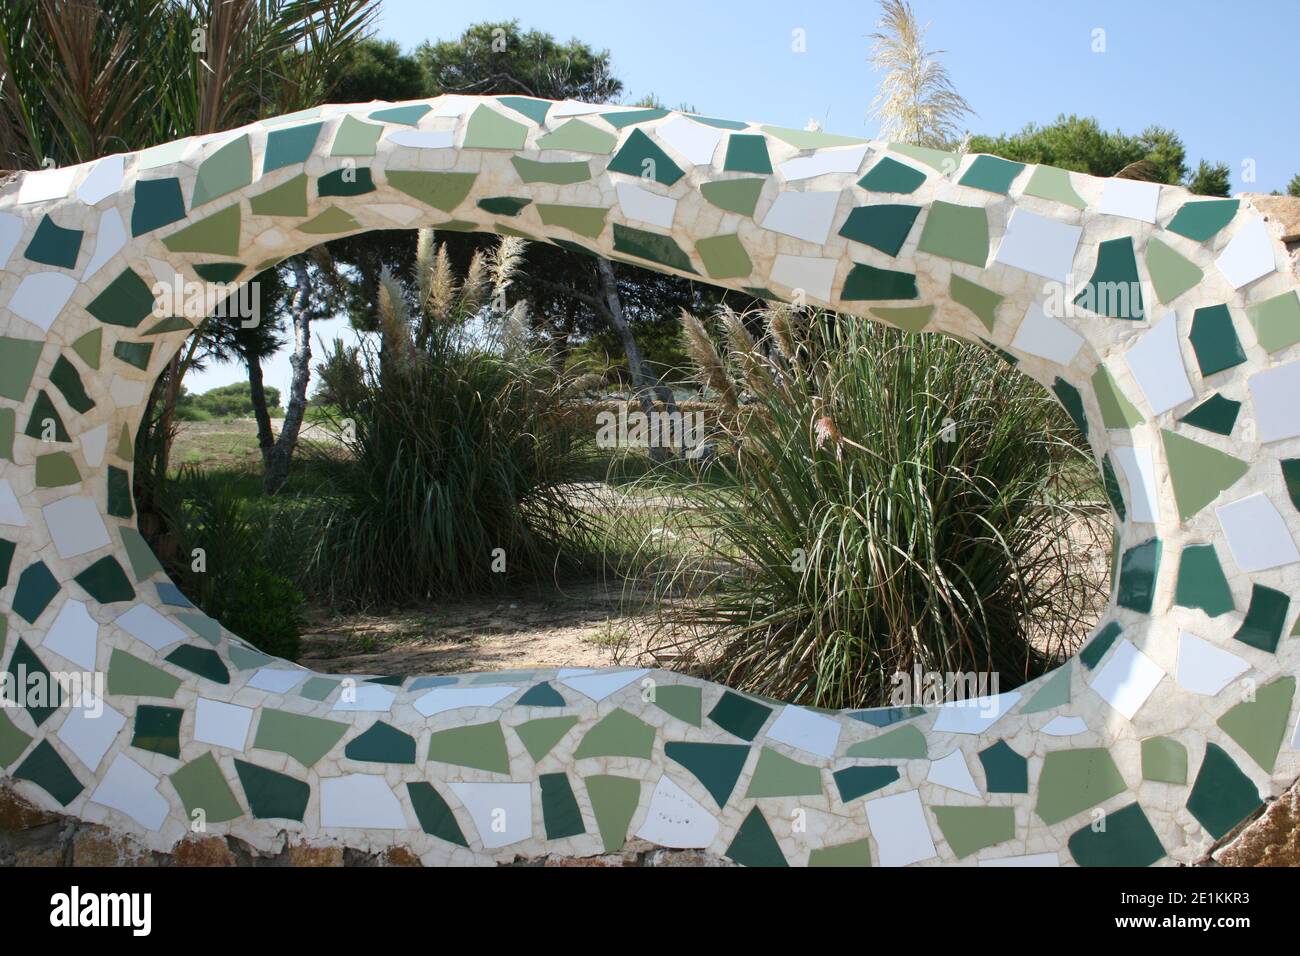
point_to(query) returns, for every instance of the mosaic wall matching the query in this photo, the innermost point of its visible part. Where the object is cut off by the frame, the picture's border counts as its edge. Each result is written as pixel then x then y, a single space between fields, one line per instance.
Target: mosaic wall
pixel 1168 326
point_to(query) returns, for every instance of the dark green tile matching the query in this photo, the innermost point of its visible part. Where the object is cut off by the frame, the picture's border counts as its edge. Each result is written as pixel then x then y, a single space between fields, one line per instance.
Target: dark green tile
pixel 1004 769
pixel 717 766
pixel 1201 220
pixel 1265 618
pixel 121 503
pixel 45 423
pixel 652 246
pixel 992 174
pixel 42 695
pixel 1072 402
pixel 106 582
pixel 867 283
pixel 739 715
pixel 271 795
pixel 65 377
pixel 36 589
pixel 435 816
pixel 221 272
pixel 891 176
pixel 1201 582
pixel 754 844
pixel 158 729
pixel 125 301
pixel 1216 414
pixel 747 153
pixel 884 227
pixel 203 661
pixel 1215 340
pixel 560 814
pixel 1115 289
pixel 1111 485
pixel 54 245
pixel 1128 840
pixel 349 181
pixel 854 782
pixel 382 743
pixel 623 118
pixel 503 205
pixel 1222 795
pixel 158 202
pixel 135 354
pixel 1138 570
pixel 640 156
pixel 45 768
pixel 1291 475
pixel 7 550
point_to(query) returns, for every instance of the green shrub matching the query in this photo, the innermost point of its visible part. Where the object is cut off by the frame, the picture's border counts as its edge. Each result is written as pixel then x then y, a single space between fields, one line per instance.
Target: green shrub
pixel 262 607
pixel 888 502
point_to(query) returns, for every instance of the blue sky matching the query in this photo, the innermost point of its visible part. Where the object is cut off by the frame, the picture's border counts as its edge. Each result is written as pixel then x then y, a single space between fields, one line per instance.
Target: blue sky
pixel 1223 78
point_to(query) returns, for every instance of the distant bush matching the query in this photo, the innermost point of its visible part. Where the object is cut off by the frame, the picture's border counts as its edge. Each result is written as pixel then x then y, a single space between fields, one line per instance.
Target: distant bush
pixel 226 401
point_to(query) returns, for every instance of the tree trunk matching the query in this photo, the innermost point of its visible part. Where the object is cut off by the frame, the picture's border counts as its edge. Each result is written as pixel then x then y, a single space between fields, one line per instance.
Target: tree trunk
pixel 277 464
pixel 257 391
pixel 643 382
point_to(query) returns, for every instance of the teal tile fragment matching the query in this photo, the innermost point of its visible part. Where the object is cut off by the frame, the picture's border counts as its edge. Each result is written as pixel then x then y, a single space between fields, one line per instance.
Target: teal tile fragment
pixel 271 795
pixel 158 203
pixel 45 768
pixel 106 582
pixel 1214 340
pixel 36 589
pixel 381 743
pixel 739 715
pixel 754 844
pixel 541 695
pixel 1216 414
pixel 1222 795
pixel 53 245
pixel 40 692
pixel 641 157
pixel 716 766
pixel 560 814
pixel 435 816
pixel 1127 840
pixel 1265 618
pixel 1004 770
pixel 158 729
pixel 1138 570
pixel 203 661
pixel 288 147
pixel 992 174
pixel 891 176
pixel 855 782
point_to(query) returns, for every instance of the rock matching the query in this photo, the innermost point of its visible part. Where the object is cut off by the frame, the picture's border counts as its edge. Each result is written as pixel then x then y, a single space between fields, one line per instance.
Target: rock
pixel 17 814
pixel 203 851
pixel 400 856
pixel 304 854
pixel 42 856
pixel 94 845
pixel 1283 210
pixel 1272 840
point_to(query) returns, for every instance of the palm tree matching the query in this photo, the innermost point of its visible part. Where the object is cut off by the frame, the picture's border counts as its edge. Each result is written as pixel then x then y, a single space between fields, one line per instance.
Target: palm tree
pixel 916 102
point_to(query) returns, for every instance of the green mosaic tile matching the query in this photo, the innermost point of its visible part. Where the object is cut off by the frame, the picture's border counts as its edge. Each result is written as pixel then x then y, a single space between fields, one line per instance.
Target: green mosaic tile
pixel 36 589
pixel 734 195
pixel 904 743
pixel 909 320
pixel 739 715
pixel 1138 569
pixel 135 354
pixel 7 550
pixel 45 768
pixel 810 139
pixel 969 829
pixel 867 283
pixel 1004 769
pixel 649 245
pixel 128 676
pixel 1115 289
pixel 718 123
pixel 579 137
pixel 158 729
pixel 202 625
pixel 540 736
pixel 891 176
pixel 248 658
pixel 488 129
pixel 1291 476
pixel 618 734
pixel 586 221
pixel 992 174
pixel 144 563
pixel 1215 340
pixel 346 182
pixel 1072 402
pixel 382 743
pixel 217 235
pixel 541 695
pixel 641 157
pixel 747 153
pixel 1055 692
pixel 1199 473
pixel 624 118
pixel 158 203
pixel 1164 760
pixel 855 782
pixel 1048 182
pixel 317 688
pixel 716 766
pixel 724 257
pixel 203 661
pixel 956 232
pixel 290 146
pixel 1092 654
pixel 355 138
pixel 287 199
pixel 305 739
pixel 42 695
pixel 941 160
pixel 45 423
pixel 332 220
pixel 560 174
pixel 53 245
pixel 1128 840
pixel 1202 219
pixel 8 428
pixel 1222 795
pixel 503 205
pixel 1171 273
pixel 435 816
pixel 884 227
pixel 125 444
pixel 1116 410
pixel 18 358
pixel 1259 726
pixel 402 115
pixel 754 844
pixel 120 504
pixel 272 795
pixel 683 701
pixel 983 302
pixel 227 169
pixel 481 746
pixel 12 740
pixel 1201 582
pixel 219 272
pixel 614 801
pixel 1265 618
pixel 201 786
pixel 1216 414
pixel 106 582
pixel 856 854
pixel 560 814
pixel 1276 321
pixel 1074 780
pixel 776 775
pixel 89 346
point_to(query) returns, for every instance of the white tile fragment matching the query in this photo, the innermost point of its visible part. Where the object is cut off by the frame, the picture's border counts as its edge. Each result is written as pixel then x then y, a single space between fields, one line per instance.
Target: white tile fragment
pixel 676 819
pixel 145 624
pixel 900 829
pixel 89 732
pixel 846 160
pixel 1156 361
pixel 805 216
pixel 1276 396
pixel 806 730
pixel 1127 679
pixel 1257 533
pixel 1039 245
pixel 442 699
pixel 811 274
pixel 41 296
pixel 502 812
pixel 954 773
pixel 74 635
pixel 222 724
pixel 1131 198
pixel 1205 668
pixel 130 788
pixel 1140 471
pixel 75 526
pixel 46 184
pixel 643 205
pixel 1047 337
pixel 1061 726
pixel 601 684
pixel 1248 255
pixel 692 140
pixel 976 715
pixel 360 801
pixel 103 181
